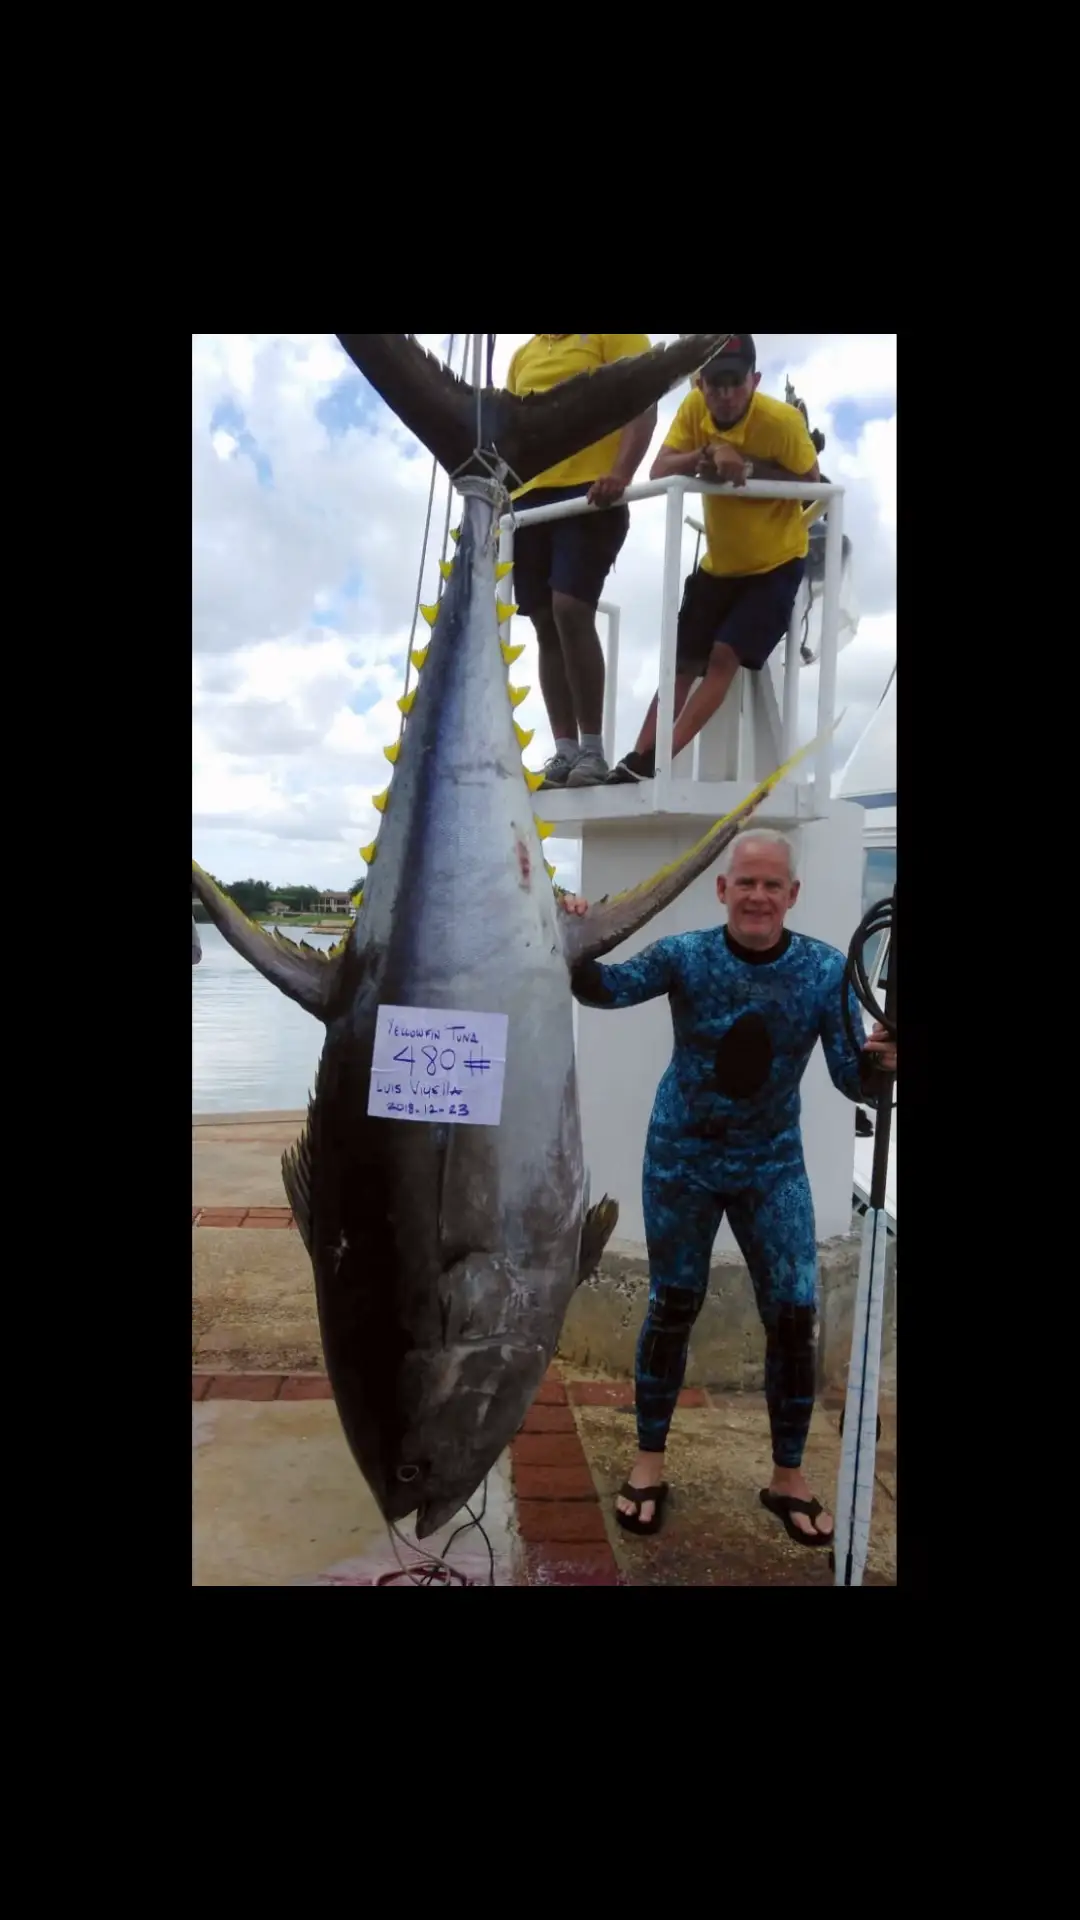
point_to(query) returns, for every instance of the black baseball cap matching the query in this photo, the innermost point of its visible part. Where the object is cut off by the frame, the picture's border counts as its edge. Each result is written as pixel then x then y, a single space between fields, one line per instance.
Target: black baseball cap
pixel 739 356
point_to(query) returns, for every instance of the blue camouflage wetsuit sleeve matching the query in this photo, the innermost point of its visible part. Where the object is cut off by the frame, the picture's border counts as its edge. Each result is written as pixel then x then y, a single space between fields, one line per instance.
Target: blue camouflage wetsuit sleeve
pixel 855 1075
pixel 629 984
pixel 724 1139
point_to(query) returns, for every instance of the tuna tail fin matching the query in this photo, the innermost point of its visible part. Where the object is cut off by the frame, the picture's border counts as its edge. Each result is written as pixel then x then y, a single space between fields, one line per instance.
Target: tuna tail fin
pixel 304 973
pixel 528 435
pixel 611 921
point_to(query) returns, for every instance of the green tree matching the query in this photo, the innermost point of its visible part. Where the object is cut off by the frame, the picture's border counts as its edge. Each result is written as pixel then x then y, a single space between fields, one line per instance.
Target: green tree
pixel 251 896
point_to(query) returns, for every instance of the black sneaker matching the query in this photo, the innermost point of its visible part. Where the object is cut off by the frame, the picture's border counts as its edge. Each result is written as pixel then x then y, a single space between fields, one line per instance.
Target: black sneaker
pixel 632 766
pixel 863 1125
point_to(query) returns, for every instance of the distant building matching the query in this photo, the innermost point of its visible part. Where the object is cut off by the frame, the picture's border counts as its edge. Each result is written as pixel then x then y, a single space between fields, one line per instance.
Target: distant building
pixel 335 903
pixel 280 906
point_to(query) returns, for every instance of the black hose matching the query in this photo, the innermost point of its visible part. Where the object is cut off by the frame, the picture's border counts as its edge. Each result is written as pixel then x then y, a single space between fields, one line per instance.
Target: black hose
pixel 879 919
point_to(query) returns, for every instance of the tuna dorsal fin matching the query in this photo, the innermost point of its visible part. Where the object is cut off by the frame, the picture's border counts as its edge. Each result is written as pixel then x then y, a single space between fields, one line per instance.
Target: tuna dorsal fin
pixel 306 974
pixel 611 921
pixel 528 434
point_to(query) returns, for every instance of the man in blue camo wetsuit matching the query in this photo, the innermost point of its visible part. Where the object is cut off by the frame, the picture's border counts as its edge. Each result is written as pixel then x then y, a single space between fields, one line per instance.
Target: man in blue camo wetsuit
pixel 749 1002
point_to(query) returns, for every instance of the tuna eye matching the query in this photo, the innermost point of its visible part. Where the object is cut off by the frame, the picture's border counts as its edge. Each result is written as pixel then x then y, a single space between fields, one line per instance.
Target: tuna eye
pixel 407 1473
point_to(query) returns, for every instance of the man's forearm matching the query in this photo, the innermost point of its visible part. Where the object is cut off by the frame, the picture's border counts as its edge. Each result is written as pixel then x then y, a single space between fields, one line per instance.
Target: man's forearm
pixel 771 470
pixel 668 462
pixel 633 446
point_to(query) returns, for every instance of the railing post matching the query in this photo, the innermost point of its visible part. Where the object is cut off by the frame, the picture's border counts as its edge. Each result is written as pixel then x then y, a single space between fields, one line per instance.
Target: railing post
pixel 503 590
pixel 830 629
pixel 791 685
pixel 665 706
pixel 611 679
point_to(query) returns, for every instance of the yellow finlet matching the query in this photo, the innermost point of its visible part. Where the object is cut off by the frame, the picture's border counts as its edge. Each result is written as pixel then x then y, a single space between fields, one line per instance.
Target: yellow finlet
pixel 502 568
pixel 545 828
pixel 367 854
pixel 446 568
pixel 517 695
pixel 534 781
pixel 392 752
pixel 418 656
pixel 509 653
pixel 504 608
pixel 406 701
pixel 379 800
pixel 455 533
pixel 358 898
pixel 549 869
pixel 430 614
pixel 523 737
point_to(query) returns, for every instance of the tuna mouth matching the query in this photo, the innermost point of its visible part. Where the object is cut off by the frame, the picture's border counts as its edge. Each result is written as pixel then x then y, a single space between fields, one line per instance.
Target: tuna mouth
pixel 433 1510
pixel 436 1513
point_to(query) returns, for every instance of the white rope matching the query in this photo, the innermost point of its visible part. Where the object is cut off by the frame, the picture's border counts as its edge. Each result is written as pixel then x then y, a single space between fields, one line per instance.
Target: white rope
pixel 424 547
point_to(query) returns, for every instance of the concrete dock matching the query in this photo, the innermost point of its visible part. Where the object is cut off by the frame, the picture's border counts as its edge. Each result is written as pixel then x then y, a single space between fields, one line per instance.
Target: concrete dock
pixel 278 1501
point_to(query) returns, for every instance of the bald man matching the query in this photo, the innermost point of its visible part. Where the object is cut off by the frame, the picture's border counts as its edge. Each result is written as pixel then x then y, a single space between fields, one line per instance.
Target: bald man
pixel 749 1002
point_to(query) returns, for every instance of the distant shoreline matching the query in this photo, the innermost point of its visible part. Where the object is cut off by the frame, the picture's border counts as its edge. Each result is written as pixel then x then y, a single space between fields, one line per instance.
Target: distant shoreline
pixel 310 922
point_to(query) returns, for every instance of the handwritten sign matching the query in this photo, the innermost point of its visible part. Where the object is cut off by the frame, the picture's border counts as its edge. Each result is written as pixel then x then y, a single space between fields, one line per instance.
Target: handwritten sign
pixel 438 1065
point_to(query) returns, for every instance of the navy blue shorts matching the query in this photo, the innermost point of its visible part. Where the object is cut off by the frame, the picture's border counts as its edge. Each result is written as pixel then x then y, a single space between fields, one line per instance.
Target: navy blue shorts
pixel 749 612
pixel 565 556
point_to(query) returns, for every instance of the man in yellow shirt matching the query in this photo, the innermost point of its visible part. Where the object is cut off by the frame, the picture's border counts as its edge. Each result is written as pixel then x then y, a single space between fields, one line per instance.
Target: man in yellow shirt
pixel 560 566
pixel 737 606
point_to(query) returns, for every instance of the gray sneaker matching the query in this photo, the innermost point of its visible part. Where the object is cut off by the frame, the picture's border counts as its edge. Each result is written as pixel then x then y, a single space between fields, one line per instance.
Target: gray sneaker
pixel 590 769
pixel 557 771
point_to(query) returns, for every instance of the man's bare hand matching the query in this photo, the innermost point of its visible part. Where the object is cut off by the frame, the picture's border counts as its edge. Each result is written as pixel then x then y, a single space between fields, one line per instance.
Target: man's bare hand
pixel 727 463
pixel 605 491
pixel 572 903
pixel 883 1048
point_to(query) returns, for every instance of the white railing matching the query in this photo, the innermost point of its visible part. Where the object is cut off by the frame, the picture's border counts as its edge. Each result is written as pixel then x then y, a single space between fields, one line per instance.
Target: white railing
pixel 823 495
pixel 611 677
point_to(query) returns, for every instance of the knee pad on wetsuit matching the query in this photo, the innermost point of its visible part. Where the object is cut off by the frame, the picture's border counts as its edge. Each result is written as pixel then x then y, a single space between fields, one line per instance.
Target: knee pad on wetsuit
pixel 792 1339
pixel 672 1312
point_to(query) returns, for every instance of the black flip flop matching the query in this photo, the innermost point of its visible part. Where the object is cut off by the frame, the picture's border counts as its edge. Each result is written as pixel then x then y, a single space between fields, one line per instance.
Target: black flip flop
pixel 784 1505
pixel 632 1522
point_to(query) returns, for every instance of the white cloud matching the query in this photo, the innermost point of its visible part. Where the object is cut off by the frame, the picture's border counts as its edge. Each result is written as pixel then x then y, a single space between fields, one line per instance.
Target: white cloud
pixel 284 765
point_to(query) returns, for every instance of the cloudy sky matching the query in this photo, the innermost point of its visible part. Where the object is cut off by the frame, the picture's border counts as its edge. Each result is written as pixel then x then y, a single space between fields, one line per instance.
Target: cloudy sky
pixel 308 506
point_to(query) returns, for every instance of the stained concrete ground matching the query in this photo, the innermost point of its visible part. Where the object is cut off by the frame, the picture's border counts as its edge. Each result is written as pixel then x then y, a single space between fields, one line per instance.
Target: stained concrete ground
pixel 716 1533
pixel 277 1500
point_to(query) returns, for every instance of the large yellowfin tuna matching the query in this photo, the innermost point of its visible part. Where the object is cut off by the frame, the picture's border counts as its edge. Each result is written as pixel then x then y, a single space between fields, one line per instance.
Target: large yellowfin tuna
pixel 439 1183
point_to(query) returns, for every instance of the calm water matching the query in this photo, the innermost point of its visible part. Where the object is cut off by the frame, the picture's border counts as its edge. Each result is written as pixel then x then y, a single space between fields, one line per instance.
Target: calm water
pixel 251 1048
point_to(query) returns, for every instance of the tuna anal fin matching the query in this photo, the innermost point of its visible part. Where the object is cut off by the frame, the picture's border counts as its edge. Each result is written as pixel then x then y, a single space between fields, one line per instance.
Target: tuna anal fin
pixel 305 974
pixel 611 921
pixel 597 1228
pixel 296 1175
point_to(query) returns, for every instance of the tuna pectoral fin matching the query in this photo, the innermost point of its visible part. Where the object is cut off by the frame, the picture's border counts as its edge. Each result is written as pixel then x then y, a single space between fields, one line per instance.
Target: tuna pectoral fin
pixel 304 973
pixel 611 921
pixel 531 433
pixel 598 1226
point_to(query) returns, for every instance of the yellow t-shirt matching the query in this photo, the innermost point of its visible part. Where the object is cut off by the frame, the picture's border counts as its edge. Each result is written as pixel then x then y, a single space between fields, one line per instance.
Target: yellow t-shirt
pixel 749 536
pixel 548 359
